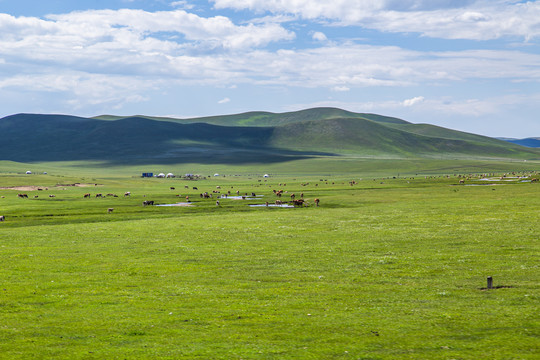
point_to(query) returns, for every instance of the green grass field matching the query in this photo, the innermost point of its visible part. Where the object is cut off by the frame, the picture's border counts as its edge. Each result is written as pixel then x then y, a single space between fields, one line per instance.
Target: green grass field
pixel 385 268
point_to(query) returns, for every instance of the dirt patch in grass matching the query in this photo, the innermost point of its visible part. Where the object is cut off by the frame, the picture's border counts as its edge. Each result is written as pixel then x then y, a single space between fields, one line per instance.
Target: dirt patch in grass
pixel 35 188
pixel 23 188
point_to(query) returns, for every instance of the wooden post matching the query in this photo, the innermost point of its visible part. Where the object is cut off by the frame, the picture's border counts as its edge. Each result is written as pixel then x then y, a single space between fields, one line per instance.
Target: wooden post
pixel 490 282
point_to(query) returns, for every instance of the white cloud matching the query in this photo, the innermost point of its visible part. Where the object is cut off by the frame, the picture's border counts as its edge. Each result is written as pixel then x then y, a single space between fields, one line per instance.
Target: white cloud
pixel 465 19
pixel 319 36
pixel 137 28
pixel 100 55
pixel 183 4
pixel 413 101
pixel 340 88
pixel 224 101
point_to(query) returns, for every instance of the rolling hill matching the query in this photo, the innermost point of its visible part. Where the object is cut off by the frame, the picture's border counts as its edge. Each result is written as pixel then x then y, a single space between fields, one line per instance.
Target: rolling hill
pixel 254 137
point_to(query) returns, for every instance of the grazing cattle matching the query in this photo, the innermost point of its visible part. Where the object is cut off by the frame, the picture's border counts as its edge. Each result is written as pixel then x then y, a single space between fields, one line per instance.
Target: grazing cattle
pixel 266 203
pixel 316 202
pixel 148 202
pixel 195 188
pixel 2 218
pixel 51 195
pixel 299 202
pixel 462 181
pixel 87 195
pixel 172 188
pixel 293 196
pixel 217 203
pixel 109 210
pixel 127 193
pixel 35 196
pixel 99 195
pixel 22 196
pixel 186 187
pixel 218 187
pixel 534 180
pixel 279 202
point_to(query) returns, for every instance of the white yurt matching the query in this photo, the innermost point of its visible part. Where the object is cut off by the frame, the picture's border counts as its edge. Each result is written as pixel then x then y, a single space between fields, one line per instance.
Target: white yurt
pixel 266 175
pixel 161 175
pixel 170 175
pixel 28 172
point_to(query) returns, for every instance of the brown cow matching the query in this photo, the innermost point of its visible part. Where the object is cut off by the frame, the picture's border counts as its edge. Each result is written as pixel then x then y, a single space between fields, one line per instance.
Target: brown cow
pixel 109 210
pixel 87 195
pixel 299 202
pixel 316 202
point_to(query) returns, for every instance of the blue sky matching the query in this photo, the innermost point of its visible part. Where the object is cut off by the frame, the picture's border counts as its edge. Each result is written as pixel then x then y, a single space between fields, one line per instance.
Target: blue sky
pixel 470 65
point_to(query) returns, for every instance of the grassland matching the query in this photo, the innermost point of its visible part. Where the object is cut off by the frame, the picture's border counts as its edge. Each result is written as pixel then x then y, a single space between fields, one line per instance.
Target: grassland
pixel 393 266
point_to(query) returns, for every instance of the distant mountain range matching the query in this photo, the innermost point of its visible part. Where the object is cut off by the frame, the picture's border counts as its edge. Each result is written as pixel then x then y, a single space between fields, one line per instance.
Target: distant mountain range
pixel 253 137
pixel 528 142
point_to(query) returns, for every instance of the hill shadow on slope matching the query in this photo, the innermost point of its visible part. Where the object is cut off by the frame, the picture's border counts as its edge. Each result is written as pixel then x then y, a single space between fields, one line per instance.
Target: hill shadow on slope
pixel 136 140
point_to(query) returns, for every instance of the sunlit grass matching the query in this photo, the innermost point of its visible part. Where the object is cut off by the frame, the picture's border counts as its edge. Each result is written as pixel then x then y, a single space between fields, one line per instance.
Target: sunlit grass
pixel 384 268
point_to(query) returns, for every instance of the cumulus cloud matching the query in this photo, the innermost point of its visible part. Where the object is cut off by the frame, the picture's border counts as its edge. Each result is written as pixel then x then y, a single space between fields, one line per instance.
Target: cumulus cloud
pixel 224 101
pixel 131 28
pixel 461 19
pixel 413 101
pixel 319 36
pixel 107 54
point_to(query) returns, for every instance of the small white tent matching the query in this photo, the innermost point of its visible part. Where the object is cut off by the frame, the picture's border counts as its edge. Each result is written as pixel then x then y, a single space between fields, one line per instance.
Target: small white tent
pixel 266 175
pixel 161 175
pixel 28 172
pixel 170 175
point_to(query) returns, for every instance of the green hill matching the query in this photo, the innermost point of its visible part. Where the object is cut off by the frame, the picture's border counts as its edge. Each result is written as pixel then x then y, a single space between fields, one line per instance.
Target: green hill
pixel 255 137
pixel 261 118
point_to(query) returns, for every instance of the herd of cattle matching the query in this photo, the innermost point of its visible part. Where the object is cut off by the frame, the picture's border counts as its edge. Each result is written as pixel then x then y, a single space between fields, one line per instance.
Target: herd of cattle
pixel 295 200
pixel 205 195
